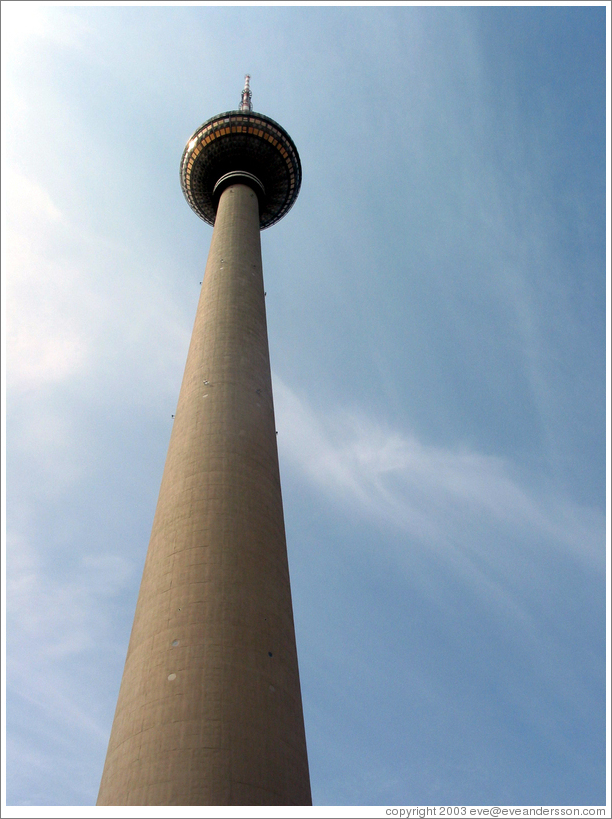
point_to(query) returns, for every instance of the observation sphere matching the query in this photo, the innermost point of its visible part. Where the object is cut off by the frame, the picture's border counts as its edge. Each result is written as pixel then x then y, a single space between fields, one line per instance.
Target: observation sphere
pixel 241 146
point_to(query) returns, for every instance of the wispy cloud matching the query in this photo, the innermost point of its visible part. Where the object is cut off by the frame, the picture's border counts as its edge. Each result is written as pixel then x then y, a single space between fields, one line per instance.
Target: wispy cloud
pixel 56 616
pixel 426 490
pixel 26 28
pixel 70 306
pixel 508 541
pixel 59 628
pixel 44 341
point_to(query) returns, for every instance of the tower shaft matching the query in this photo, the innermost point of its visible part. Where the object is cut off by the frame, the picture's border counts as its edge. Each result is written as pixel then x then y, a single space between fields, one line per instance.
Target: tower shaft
pixel 209 710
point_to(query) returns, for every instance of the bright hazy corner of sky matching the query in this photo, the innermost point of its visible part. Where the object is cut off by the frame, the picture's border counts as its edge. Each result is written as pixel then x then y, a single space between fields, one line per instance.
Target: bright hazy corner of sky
pixel 437 319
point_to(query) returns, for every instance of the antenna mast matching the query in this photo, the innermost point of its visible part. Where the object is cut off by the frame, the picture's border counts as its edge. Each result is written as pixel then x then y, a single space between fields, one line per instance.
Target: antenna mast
pixel 245 104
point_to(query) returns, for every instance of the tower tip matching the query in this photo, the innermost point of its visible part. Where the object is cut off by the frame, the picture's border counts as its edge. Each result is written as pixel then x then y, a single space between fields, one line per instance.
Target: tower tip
pixel 245 104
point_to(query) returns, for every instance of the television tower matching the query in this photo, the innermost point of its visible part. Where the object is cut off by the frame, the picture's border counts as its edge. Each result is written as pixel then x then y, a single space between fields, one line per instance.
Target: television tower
pixel 209 710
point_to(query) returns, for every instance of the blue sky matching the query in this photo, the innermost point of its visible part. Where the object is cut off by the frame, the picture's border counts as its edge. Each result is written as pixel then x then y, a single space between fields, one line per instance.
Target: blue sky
pixel 437 319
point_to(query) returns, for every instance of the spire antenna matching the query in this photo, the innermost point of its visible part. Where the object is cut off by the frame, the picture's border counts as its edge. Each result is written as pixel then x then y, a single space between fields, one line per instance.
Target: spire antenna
pixel 245 104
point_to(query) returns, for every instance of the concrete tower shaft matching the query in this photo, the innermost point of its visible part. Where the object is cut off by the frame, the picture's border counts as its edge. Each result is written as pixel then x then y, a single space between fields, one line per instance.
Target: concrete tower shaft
pixel 209 710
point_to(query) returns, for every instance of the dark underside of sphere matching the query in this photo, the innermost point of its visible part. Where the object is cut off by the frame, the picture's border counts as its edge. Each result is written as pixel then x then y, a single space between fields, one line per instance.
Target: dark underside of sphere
pixel 241 141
